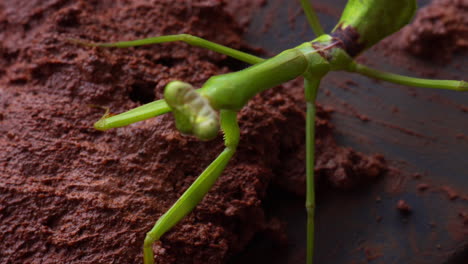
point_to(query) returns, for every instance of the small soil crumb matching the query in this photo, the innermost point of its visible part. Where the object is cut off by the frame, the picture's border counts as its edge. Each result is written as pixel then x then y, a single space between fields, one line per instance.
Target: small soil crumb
pixel 371 252
pixel 451 193
pixel 403 207
pixel 351 82
pixel 363 117
pixel 422 187
pixel 439 30
pixel 464 216
pixel 275 231
pixel 244 7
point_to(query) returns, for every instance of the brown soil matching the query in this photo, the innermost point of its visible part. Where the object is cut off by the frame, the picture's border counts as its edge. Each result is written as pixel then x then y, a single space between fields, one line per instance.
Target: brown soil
pixel 438 30
pixel 71 194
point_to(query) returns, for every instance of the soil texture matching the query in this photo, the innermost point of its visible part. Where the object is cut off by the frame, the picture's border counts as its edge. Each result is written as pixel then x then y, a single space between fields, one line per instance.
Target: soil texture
pixel 438 30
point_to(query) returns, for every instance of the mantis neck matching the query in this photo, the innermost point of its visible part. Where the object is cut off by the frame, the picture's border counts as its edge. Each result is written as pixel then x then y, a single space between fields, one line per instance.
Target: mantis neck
pixel 312 59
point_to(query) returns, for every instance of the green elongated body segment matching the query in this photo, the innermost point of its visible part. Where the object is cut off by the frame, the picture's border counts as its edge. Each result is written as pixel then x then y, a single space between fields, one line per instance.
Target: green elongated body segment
pixel 233 90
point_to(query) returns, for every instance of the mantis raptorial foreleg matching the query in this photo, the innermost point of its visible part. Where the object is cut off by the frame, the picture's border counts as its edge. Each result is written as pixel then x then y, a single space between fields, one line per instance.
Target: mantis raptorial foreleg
pixel 189 39
pixel 134 115
pixel 195 193
pixel 312 18
pixel 409 81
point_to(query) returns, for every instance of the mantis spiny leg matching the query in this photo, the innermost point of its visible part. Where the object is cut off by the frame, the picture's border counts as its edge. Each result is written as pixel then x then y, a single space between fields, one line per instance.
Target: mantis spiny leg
pixel 137 114
pixel 311 87
pixel 312 18
pixel 189 39
pixel 195 193
pixel 409 81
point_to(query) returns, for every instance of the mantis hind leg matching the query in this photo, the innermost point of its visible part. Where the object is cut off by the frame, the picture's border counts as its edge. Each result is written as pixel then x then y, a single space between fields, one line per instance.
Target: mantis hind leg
pixel 195 193
pixel 461 86
pixel 312 18
pixel 189 39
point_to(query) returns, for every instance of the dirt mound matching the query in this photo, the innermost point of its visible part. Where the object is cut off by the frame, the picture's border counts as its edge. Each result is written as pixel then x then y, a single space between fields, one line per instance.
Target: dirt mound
pixel 438 30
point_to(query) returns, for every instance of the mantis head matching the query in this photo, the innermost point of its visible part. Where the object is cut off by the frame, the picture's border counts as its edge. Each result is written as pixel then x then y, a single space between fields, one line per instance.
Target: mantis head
pixel 192 111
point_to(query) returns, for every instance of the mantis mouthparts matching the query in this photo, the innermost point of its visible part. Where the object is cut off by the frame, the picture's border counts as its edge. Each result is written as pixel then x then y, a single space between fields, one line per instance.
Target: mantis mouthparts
pixel 193 112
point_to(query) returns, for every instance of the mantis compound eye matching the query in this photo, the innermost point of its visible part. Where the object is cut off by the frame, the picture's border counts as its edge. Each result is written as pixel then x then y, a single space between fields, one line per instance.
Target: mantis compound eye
pixel 192 111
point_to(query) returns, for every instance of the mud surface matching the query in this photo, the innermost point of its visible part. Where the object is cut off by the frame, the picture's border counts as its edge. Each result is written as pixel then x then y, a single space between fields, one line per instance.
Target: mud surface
pixel 71 194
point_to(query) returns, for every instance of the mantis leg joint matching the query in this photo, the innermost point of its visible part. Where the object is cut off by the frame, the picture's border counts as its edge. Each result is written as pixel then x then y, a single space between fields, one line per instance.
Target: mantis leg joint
pixel 310 207
pixel 149 240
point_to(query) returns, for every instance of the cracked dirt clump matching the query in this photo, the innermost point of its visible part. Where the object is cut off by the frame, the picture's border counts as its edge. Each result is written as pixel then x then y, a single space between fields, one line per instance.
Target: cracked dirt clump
pixel 438 30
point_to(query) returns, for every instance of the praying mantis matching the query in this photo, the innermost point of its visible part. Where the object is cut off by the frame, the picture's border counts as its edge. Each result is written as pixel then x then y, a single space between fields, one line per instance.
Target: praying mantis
pixel 203 112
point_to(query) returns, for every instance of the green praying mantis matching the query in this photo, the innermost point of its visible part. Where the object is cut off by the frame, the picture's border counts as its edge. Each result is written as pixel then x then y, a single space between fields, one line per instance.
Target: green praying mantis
pixel 203 112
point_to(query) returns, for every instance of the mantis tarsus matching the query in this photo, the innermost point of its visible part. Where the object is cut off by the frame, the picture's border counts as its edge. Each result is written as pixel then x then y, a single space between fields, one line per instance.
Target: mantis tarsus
pixel 203 112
